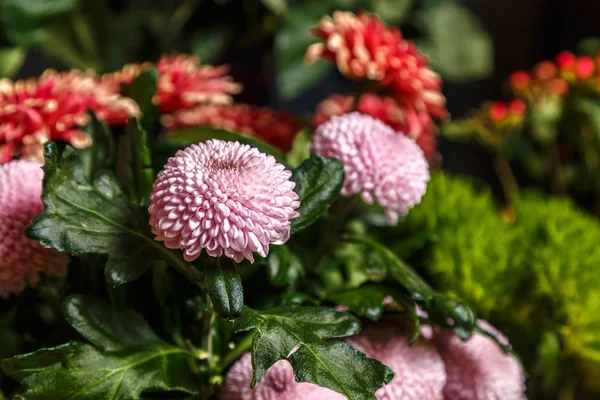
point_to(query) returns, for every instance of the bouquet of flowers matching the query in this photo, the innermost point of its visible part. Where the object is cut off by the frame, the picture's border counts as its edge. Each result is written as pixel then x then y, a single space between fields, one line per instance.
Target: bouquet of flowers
pixel 161 241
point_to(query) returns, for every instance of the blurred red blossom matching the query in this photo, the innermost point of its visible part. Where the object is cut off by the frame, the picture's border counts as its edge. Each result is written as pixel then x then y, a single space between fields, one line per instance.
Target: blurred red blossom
pixel 54 107
pixel 364 47
pixel 274 127
pixel 183 82
pixel 418 126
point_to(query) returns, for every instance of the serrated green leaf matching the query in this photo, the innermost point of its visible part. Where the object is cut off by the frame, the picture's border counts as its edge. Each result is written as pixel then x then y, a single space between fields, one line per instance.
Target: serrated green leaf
pixel 96 218
pixel 189 136
pixel 128 360
pixel 86 371
pixel 442 309
pixel 365 301
pixel 457 44
pixel 318 184
pixel 224 286
pixel 284 266
pixel 134 163
pixel 332 364
pixel 101 154
pixel 106 328
pixel 142 91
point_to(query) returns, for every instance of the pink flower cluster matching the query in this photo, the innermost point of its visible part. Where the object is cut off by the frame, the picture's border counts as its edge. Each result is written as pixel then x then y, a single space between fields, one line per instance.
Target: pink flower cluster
pixel 443 368
pixel 418 126
pixel 54 107
pixel 380 164
pixel 224 197
pixel 22 259
pixel 364 47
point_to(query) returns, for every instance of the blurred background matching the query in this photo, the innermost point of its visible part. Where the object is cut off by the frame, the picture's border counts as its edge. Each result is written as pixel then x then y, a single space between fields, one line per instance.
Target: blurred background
pixel 475 44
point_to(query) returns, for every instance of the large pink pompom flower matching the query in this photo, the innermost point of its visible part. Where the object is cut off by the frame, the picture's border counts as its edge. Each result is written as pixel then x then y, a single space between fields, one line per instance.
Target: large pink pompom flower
pixel 225 197
pixel 479 369
pixel 22 259
pixel 278 384
pixel 380 164
pixel 419 369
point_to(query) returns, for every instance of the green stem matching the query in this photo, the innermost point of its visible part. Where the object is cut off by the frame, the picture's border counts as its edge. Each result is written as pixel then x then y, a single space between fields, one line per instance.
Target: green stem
pixel 242 347
pixel 505 175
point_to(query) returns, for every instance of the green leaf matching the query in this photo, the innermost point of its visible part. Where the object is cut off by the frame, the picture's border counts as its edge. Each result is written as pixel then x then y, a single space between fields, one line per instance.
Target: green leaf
pixel 142 91
pixel 365 301
pixel 224 286
pixel 78 370
pixel 96 218
pixel 189 136
pixel 318 184
pixel 210 45
pixel 25 20
pixel 134 163
pixel 331 364
pixel 300 151
pixel 442 309
pixel 101 154
pixel 457 44
pixel 293 76
pixel 12 61
pixel 284 266
pixel 106 328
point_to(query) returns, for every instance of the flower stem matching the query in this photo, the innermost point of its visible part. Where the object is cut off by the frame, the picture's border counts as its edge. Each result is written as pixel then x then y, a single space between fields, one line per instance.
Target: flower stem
pixel 505 175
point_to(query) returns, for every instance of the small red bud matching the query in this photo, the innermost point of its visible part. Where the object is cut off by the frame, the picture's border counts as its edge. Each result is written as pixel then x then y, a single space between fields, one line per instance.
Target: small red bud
pixel 585 67
pixel 517 107
pixel 565 60
pixel 544 71
pixel 519 80
pixel 498 111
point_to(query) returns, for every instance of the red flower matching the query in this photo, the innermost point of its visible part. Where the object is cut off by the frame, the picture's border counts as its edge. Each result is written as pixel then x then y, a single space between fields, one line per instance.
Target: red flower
pixel 364 47
pixel 418 126
pixel 54 107
pixel 183 82
pixel 274 127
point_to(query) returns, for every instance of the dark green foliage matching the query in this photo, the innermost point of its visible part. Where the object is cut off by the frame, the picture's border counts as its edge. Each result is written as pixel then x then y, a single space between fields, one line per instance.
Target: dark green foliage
pixel 126 359
pixel 331 364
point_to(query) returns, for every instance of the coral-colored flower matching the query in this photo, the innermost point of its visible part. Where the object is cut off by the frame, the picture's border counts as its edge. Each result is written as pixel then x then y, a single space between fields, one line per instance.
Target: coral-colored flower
pixel 22 259
pixel 406 121
pixel 274 127
pixel 54 107
pixel 183 82
pixel 419 369
pixel 278 384
pixel 478 369
pixel 364 47
pixel 380 164
pixel 224 197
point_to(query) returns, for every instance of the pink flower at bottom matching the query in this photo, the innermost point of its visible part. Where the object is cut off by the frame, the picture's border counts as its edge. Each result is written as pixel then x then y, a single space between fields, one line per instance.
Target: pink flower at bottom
pixel 22 259
pixel 419 369
pixel 278 384
pixel 479 369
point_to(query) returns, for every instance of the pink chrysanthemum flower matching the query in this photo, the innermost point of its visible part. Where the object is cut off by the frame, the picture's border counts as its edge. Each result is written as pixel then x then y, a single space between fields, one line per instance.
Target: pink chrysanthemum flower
pixel 224 197
pixel 478 369
pixel 274 127
pixel 278 384
pixel 380 164
pixel 22 259
pixel 418 126
pixel 364 47
pixel 419 369
pixel 54 107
